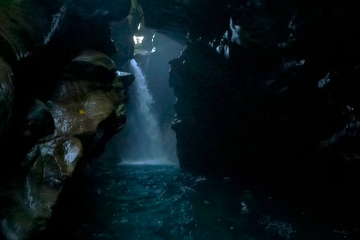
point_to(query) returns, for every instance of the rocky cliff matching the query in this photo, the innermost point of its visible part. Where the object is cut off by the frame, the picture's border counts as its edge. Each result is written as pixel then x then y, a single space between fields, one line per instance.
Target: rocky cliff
pixel 267 91
pixel 61 99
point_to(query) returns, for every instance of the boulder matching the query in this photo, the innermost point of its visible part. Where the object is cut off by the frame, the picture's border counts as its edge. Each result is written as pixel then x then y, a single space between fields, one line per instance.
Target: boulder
pixel 52 163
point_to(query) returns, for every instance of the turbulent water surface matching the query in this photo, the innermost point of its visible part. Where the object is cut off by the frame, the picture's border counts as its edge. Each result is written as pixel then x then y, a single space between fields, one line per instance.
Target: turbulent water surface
pixel 146 197
pixel 159 202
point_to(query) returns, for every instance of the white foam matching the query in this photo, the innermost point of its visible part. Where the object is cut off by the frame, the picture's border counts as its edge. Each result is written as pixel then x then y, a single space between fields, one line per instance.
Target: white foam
pixel 148 162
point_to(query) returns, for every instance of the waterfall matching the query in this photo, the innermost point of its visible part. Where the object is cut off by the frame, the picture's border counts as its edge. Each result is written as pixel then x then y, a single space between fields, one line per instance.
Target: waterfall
pixel 141 134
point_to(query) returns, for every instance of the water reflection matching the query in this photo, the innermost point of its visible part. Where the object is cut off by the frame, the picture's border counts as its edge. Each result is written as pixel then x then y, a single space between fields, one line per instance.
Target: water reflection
pixel 124 201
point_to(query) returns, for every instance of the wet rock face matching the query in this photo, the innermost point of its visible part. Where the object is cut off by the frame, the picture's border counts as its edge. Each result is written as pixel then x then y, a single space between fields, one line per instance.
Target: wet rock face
pixel 79 106
pixel 61 100
pixel 6 94
pixel 176 18
pixel 112 10
pixel 24 25
pixel 274 97
pixel 80 115
pixel 270 70
pixel 38 123
pixel 50 164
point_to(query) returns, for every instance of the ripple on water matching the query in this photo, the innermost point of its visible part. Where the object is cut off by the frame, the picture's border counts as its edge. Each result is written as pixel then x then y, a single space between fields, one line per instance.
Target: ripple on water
pixel 161 202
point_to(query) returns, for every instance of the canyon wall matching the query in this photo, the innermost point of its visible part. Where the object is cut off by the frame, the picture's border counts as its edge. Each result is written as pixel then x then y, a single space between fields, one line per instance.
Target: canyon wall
pixel 62 97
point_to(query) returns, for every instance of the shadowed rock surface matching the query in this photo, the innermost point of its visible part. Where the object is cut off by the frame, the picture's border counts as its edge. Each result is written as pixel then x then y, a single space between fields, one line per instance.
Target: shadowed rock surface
pixel 266 92
pixel 61 98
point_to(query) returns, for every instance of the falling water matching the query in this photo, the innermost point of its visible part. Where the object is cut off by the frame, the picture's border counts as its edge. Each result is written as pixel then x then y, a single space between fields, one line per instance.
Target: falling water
pixel 144 143
pixel 141 201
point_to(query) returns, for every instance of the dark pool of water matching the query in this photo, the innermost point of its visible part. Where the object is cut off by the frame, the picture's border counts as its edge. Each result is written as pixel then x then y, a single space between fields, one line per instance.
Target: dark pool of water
pixel 155 202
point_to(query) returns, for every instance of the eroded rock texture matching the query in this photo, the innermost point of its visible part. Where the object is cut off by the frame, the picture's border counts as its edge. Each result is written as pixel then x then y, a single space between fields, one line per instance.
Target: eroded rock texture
pixel 6 94
pixel 267 90
pixel 80 115
pixel 61 100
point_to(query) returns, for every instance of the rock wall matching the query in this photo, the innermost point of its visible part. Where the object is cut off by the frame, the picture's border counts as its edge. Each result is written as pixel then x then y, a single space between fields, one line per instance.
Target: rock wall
pixel 61 99
pixel 270 96
pixel 266 91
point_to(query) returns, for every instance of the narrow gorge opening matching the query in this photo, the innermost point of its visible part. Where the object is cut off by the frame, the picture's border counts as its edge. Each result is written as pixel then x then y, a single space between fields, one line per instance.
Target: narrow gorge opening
pixel 178 120
pixel 147 137
pixel 142 128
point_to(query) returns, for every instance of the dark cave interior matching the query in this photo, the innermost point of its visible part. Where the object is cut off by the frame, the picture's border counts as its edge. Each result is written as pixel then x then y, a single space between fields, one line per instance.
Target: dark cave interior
pixel 263 92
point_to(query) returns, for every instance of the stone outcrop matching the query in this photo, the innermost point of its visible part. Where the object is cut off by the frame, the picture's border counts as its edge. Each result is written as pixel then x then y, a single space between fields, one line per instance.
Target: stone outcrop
pixel 267 91
pixel 6 94
pixel 70 122
pixel 24 26
pixel 61 99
